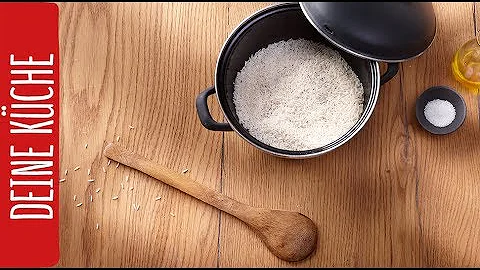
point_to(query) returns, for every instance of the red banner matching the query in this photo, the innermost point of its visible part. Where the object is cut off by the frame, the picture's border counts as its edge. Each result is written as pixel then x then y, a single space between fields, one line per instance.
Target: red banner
pixel 29 128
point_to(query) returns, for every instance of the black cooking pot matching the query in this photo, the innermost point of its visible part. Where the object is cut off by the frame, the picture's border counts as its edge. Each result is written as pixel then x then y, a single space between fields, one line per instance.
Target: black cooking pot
pixel 270 25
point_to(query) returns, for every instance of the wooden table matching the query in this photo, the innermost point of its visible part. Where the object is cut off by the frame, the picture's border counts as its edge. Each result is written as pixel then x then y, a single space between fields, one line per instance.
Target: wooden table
pixel 394 195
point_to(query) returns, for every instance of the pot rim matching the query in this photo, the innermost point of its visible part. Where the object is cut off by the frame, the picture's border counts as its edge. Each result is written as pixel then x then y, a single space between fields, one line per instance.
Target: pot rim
pixel 369 107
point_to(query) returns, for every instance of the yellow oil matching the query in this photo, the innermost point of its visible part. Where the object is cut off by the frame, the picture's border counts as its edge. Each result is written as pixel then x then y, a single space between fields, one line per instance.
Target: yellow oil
pixel 466 65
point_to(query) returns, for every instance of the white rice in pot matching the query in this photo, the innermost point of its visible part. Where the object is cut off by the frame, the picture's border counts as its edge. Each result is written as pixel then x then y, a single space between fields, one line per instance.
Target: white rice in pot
pixel 297 95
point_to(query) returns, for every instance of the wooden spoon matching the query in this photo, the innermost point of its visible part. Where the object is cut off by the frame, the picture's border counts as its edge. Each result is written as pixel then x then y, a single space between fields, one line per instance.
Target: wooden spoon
pixel 291 236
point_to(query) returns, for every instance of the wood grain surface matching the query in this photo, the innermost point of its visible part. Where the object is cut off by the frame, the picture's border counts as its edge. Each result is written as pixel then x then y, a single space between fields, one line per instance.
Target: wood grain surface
pixel 394 195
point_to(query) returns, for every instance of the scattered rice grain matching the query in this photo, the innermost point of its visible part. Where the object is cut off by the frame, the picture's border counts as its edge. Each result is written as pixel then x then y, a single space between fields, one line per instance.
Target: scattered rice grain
pixel 131 188
pixel 121 184
pixel 185 171
pixel 88 172
pixel 86 145
pixel 96 227
pixel 126 178
pixel 108 162
pixel 114 197
pixel 118 138
pixel 66 172
pixel 172 214
pixel 74 197
pixel 91 198
pixel 62 180
pixel 80 204
pixel 131 127
pixel 97 190
pixel 158 198
pixel 118 164
pixel 91 180
pixel 103 168
pixel 76 168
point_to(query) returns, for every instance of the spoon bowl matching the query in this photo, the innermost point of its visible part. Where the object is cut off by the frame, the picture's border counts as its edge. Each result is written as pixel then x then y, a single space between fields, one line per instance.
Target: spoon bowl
pixel 291 236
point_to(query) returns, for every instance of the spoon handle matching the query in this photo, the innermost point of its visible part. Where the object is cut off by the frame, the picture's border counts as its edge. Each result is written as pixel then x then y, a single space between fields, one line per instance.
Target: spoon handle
pixel 179 181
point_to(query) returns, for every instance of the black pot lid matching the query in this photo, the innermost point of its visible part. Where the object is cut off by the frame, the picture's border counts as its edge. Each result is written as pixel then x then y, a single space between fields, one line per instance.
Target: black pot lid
pixel 381 31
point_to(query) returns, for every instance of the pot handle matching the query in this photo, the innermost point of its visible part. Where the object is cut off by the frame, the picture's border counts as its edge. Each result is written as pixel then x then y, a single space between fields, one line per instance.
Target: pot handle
pixel 204 114
pixel 392 70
